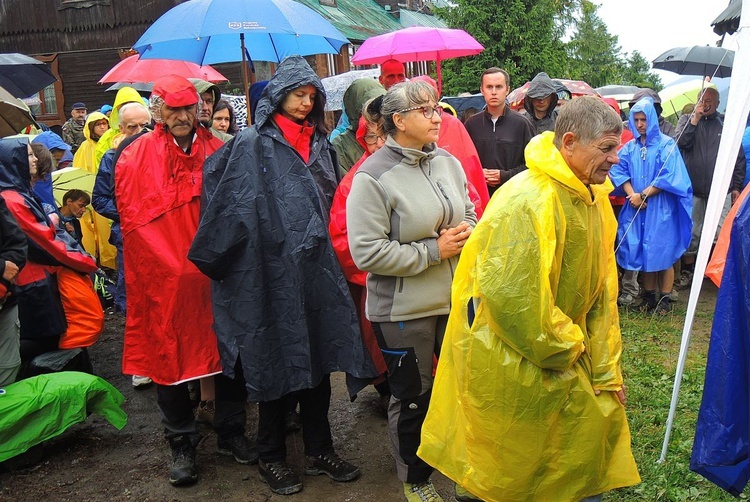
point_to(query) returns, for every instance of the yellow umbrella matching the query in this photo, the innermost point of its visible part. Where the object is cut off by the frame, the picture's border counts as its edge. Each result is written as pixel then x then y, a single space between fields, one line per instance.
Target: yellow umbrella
pixel 70 178
pixel 675 97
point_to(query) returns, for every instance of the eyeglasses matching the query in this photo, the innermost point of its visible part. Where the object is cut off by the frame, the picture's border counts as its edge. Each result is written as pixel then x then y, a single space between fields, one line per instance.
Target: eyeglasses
pixel 427 111
pixel 372 139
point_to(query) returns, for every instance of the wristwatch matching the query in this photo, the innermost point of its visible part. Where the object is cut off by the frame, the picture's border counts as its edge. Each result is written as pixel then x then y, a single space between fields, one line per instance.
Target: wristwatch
pixel 643 195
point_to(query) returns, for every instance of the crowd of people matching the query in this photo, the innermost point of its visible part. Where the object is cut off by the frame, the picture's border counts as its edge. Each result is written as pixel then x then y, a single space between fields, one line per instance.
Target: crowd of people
pixel 470 269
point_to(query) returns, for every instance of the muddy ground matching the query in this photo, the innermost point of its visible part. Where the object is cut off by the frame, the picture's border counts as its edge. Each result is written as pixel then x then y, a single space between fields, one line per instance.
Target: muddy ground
pixel 93 461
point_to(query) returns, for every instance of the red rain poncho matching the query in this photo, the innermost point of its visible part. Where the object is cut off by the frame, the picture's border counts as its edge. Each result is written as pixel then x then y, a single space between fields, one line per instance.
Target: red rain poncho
pixel 168 334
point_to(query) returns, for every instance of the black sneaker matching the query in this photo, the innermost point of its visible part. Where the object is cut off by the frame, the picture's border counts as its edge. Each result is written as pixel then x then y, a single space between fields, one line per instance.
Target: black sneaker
pixel 239 447
pixel 183 471
pixel 279 477
pixel 331 465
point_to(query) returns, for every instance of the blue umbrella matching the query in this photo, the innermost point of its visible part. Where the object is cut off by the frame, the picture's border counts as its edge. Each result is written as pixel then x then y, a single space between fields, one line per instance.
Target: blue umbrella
pixel 209 32
pixel 223 31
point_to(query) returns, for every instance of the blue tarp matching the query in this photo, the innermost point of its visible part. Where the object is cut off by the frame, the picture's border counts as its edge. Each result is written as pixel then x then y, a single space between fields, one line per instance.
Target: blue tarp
pixel 722 437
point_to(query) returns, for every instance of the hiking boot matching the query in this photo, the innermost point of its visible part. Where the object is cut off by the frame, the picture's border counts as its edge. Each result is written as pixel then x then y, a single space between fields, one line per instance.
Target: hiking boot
pixel 685 280
pixel 292 421
pixel 183 471
pixel 663 307
pixel 331 465
pixel 463 495
pixel 204 413
pixel 647 304
pixel 421 492
pixel 140 382
pixel 239 447
pixel 625 300
pixel 279 477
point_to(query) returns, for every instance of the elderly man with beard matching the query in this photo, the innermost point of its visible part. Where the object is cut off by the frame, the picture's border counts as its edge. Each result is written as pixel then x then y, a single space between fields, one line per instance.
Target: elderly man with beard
pixel 168 330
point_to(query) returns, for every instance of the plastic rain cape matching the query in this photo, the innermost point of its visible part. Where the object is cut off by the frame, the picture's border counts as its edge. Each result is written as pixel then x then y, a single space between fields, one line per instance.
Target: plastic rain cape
pixel 40 408
pixel 513 414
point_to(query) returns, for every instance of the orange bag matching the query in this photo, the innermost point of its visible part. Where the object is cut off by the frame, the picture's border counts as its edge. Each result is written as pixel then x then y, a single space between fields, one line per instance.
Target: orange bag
pixel 83 312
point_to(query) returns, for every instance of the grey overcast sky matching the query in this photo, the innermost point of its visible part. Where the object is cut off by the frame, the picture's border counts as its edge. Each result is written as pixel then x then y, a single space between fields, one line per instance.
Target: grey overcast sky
pixel 654 26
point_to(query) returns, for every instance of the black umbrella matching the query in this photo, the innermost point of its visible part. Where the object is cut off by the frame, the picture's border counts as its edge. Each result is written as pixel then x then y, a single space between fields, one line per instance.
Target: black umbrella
pixel 701 60
pixel 24 76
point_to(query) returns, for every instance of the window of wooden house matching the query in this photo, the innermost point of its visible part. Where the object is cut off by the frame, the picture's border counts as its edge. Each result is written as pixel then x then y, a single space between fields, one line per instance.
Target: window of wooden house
pixel 49 108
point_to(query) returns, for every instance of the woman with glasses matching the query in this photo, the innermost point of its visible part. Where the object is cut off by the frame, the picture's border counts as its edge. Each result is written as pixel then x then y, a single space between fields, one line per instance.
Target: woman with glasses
pixel 371 137
pixel 408 217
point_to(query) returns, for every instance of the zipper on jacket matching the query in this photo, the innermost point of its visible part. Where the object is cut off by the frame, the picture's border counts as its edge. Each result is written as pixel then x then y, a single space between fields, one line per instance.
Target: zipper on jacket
pixel 447 201
pixel 444 223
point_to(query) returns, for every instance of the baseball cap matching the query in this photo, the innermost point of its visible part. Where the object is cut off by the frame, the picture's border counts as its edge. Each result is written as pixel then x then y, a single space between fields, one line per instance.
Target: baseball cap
pixel 175 91
pixel 78 106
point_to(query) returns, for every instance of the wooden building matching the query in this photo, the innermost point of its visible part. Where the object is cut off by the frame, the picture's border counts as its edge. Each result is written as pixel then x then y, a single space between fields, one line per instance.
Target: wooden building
pixel 80 40
pixel 83 39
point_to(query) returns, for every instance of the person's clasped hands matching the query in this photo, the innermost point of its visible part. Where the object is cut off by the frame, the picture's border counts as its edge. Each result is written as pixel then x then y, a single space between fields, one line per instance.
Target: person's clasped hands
pixel 452 240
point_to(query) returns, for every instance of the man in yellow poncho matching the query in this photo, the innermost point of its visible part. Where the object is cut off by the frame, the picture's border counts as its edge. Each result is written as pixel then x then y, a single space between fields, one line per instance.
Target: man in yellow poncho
pixel 528 397
pixel 94 227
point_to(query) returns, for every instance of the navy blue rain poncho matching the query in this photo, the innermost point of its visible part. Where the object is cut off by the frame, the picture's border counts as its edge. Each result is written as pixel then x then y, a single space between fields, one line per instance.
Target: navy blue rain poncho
pixel 722 434
pixel 660 233
pixel 280 300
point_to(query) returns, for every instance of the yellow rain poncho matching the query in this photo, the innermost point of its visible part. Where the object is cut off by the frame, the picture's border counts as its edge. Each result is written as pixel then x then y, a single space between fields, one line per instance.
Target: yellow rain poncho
pixel 124 95
pixel 513 414
pixel 94 227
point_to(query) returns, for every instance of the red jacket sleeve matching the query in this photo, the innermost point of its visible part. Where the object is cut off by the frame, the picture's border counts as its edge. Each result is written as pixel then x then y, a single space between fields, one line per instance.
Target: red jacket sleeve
pixel 337 228
pixel 44 237
pixel 456 140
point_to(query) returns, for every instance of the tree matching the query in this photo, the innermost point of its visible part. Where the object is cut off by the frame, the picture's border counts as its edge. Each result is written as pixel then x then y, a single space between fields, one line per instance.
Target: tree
pixel 521 36
pixel 594 53
pixel 636 70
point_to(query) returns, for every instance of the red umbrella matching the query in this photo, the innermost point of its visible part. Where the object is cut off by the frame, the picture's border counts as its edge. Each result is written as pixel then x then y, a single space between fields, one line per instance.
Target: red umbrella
pixel 576 88
pixel 132 69
pixel 418 43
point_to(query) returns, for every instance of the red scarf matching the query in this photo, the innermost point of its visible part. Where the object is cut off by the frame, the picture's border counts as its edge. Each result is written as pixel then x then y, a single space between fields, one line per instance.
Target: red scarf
pixel 298 135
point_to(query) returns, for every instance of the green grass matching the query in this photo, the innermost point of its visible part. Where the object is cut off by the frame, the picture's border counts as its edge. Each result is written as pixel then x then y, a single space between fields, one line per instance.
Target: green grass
pixel 650 351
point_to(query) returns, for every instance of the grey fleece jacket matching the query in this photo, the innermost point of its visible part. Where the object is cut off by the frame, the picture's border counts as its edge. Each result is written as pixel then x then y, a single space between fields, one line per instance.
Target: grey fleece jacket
pixel 399 202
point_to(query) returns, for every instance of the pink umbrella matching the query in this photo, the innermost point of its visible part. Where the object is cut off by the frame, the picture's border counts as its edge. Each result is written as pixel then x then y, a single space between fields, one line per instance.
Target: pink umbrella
pixel 418 44
pixel 132 69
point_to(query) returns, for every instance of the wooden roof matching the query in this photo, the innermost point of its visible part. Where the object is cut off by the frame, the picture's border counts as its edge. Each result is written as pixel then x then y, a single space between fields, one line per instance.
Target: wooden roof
pixel 49 26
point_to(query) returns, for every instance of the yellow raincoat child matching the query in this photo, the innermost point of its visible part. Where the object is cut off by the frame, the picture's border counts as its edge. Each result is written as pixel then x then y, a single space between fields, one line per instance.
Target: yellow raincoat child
pixel 514 414
pixel 94 227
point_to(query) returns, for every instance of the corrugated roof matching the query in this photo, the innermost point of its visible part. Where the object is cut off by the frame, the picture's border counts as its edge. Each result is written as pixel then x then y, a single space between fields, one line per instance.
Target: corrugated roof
pixel 357 20
pixel 410 18
pixel 729 20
